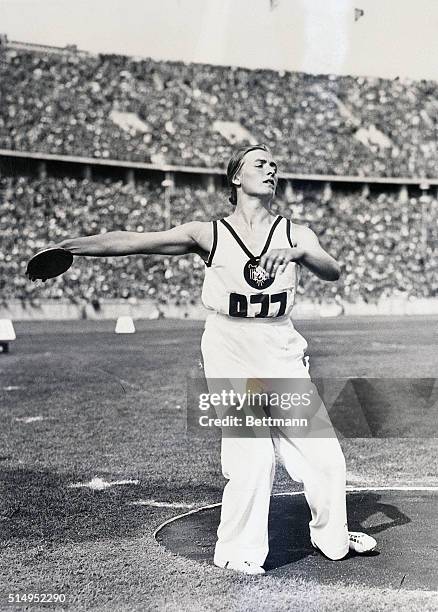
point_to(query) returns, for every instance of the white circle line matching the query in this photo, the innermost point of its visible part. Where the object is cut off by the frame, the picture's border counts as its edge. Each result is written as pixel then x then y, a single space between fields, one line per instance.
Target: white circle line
pixel 291 494
pixel 401 488
pixel 179 516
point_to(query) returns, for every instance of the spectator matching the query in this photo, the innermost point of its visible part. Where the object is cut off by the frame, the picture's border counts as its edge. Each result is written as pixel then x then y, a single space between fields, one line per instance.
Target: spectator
pixel 316 124
pixel 384 245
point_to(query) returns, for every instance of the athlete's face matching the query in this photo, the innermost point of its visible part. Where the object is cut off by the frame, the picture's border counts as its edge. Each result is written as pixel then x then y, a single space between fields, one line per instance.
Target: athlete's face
pixel 258 174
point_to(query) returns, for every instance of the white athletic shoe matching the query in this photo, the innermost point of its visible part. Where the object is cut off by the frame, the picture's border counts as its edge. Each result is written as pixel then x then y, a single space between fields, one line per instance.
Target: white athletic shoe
pixel 246 567
pixel 361 542
pixel 358 542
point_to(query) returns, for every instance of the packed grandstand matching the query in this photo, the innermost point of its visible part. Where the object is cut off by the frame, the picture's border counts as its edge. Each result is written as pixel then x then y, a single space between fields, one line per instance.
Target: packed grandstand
pixel 115 107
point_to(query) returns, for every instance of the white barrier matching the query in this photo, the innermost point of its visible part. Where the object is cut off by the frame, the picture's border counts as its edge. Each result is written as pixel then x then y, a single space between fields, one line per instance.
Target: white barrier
pixel 125 325
pixel 7 334
pixel 304 309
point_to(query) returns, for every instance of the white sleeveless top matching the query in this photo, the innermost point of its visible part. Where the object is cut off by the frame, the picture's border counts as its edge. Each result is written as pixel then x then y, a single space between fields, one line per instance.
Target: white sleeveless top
pixel 236 286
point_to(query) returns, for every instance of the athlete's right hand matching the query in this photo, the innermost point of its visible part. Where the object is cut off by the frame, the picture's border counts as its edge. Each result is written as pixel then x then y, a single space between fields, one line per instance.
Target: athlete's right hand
pixel 276 260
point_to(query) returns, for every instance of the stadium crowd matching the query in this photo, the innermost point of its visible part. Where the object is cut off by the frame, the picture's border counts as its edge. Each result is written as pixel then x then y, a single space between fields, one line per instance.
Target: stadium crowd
pixel 385 243
pixel 65 103
pixel 115 107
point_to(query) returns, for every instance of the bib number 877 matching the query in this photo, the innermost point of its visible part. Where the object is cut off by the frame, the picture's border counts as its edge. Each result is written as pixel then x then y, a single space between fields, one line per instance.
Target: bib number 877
pixel 239 304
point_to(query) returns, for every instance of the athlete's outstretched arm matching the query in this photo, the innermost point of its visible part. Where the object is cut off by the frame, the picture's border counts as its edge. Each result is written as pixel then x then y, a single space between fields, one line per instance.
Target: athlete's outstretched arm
pixel 176 241
pixel 315 258
pixel 308 252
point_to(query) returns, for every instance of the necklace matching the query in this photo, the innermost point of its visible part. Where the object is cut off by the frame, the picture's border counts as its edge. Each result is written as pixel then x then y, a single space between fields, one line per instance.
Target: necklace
pixel 254 274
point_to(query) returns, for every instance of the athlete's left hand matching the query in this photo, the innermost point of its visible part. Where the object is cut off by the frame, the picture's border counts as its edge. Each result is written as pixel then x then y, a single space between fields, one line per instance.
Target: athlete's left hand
pixel 276 260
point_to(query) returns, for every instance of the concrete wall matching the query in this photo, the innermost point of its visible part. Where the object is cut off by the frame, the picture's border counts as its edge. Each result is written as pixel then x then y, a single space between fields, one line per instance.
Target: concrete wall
pixel 60 310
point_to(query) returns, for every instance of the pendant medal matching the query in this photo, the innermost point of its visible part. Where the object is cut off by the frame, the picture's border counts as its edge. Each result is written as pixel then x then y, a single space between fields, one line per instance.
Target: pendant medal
pixel 255 275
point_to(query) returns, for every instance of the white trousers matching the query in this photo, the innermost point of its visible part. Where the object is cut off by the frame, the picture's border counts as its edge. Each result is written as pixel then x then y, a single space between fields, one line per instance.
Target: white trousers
pixel 243 349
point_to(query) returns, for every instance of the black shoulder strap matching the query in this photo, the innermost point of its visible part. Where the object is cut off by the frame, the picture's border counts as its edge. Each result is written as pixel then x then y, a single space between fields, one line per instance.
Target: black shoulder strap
pixel 213 246
pixel 237 238
pixel 289 233
pixel 271 233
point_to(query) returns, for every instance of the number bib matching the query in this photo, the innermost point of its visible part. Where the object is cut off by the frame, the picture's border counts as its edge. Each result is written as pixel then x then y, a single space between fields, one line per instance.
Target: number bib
pixel 259 305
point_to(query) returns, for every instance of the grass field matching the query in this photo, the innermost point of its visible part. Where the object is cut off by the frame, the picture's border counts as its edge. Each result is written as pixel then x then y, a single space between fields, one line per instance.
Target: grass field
pixel 78 402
